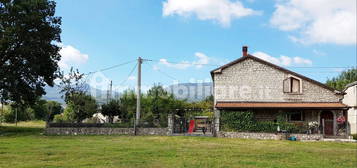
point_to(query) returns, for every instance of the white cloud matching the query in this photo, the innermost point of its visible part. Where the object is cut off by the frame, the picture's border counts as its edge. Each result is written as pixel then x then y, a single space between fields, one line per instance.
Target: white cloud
pixel 202 60
pixel 71 56
pixel 302 61
pixel 317 21
pixel 181 65
pixel 283 60
pixel 222 11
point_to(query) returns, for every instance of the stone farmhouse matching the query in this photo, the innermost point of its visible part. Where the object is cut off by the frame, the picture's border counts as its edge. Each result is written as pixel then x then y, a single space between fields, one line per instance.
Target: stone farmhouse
pixel 250 83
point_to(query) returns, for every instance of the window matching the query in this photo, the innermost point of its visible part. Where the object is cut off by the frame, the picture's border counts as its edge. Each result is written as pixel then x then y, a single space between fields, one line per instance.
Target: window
pixel 296 116
pixel 292 85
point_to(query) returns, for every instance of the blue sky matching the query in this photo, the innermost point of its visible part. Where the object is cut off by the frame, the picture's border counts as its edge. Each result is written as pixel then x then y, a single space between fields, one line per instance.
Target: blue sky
pixel 202 34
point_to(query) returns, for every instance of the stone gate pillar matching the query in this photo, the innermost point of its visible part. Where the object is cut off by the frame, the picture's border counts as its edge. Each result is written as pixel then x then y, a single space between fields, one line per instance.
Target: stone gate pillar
pixel 217 115
pixel 170 124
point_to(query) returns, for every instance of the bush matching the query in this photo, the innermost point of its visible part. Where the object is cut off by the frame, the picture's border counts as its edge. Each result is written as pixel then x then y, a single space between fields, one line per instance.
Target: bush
pixel 238 121
pixel 59 118
pixel 245 121
pixel 354 136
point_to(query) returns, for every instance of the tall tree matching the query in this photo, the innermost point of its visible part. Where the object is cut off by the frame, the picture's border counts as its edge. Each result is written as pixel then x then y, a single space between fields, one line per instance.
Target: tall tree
pixel 128 104
pixel 29 31
pixel 83 106
pixel 340 82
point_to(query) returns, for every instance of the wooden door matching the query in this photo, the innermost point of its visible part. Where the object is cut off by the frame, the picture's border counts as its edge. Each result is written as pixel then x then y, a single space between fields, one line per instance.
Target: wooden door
pixel 327 119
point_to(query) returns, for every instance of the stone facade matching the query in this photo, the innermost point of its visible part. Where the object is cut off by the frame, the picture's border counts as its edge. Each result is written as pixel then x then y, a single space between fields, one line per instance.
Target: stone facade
pixel 270 136
pixel 105 131
pixel 350 99
pixel 250 80
pixel 253 81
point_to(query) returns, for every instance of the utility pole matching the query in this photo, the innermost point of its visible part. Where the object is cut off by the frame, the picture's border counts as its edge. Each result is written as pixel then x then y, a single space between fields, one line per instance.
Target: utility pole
pixel 138 95
pixel 110 89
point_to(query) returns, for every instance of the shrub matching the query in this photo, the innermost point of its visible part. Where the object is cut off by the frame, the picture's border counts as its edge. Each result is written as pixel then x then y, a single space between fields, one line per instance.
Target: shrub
pixel 59 118
pixel 239 121
pixel 245 121
pixel 354 136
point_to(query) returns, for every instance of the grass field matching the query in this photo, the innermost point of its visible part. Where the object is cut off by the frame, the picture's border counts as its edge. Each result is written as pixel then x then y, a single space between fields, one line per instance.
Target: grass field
pixel 25 146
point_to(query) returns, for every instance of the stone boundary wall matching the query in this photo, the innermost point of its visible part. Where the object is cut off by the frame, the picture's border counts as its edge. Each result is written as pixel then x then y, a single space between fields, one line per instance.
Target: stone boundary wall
pixel 104 131
pixel 308 137
pixel 269 136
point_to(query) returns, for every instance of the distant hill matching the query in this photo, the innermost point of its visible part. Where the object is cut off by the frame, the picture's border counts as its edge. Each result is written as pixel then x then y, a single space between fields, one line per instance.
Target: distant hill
pixel 52 93
pixel 191 91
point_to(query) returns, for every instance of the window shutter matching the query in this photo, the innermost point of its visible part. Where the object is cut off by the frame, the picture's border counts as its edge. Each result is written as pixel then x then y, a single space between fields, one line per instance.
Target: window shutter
pixel 286 85
pixel 295 85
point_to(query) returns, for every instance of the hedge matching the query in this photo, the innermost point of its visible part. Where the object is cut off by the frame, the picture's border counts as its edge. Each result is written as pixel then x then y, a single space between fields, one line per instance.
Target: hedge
pixel 244 121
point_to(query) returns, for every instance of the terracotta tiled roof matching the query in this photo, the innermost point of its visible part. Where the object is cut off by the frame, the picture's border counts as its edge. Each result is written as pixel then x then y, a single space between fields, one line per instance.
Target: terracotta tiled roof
pixel 327 105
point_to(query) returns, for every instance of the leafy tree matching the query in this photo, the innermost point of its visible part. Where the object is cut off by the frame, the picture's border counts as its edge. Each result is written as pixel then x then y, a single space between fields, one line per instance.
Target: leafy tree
pixel 40 110
pixel 159 100
pixel 13 113
pixel 128 104
pixel 29 31
pixel 82 106
pixel 72 84
pixel 112 109
pixel 340 82
pixel 53 108
pixel 158 103
pixel 74 89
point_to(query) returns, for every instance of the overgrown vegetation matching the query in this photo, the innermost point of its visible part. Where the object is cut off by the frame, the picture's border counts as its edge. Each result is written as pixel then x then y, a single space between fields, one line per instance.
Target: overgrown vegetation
pixel 340 82
pixel 354 136
pixel 244 121
pixel 40 110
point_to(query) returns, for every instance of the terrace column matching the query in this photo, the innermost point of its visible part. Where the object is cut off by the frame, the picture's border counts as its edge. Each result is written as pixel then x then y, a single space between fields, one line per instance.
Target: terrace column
pixel 334 122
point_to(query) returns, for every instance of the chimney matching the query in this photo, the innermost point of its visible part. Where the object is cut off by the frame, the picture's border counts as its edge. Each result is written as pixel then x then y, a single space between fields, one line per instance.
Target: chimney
pixel 245 51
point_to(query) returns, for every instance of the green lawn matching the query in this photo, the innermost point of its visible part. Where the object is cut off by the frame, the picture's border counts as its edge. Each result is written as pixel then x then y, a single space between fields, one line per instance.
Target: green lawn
pixel 25 146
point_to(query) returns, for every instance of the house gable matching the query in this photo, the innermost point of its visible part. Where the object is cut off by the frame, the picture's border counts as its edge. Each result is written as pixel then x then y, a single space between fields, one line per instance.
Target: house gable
pixel 250 79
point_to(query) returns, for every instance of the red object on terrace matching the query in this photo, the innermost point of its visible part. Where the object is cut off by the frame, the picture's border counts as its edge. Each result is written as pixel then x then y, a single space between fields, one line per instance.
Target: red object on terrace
pixel 192 126
pixel 341 119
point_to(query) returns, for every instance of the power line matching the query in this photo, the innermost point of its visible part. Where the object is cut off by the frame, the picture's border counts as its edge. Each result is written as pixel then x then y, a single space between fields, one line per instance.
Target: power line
pixel 130 73
pixel 111 67
pixel 169 76
pixel 165 74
